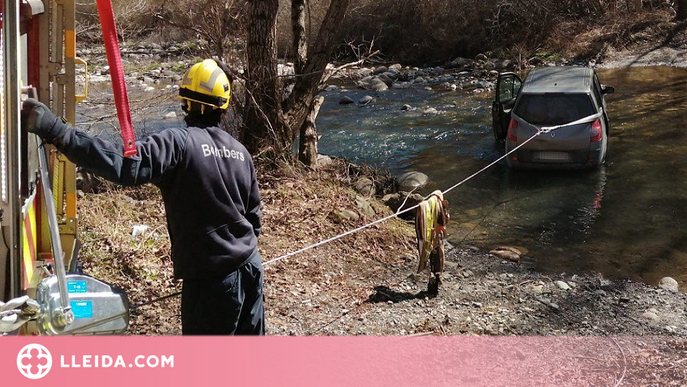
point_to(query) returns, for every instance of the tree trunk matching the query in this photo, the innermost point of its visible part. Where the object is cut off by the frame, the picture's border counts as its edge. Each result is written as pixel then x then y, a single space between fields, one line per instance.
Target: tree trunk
pixel 681 10
pixel 300 43
pixel 269 121
pixel 307 150
pixel 307 86
pixel 262 108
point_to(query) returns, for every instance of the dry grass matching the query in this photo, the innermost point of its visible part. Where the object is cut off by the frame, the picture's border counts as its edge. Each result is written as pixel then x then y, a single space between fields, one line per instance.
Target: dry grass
pixel 140 265
pixel 297 211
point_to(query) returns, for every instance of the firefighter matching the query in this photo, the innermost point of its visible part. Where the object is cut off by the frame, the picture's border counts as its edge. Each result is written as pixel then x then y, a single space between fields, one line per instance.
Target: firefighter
pixel 210 191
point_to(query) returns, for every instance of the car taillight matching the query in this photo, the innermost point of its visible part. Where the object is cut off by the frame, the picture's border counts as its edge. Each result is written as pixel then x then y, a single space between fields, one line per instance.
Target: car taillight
pixel 512 130
pixel 597 131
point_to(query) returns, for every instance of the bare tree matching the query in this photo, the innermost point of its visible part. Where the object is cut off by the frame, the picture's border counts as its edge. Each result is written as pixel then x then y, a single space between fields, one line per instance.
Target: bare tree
pixel 214 22
pixel 271 121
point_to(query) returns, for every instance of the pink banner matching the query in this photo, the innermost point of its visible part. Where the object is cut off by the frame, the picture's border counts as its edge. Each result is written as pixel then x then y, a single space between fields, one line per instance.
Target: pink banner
pixel 333 361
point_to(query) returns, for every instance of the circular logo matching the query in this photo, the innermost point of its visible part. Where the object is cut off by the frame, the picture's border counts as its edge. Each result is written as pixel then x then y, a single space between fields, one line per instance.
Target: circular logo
pixel 34 361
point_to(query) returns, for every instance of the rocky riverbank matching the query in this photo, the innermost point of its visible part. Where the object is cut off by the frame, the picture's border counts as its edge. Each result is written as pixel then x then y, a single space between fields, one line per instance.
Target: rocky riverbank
pixel 366 283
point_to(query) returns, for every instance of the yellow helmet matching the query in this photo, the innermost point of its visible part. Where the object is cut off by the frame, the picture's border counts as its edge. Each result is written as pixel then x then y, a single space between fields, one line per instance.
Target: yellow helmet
pixel 207 84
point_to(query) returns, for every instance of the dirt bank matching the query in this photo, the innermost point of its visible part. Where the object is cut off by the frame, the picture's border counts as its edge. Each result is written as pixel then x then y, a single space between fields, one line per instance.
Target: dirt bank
pixel 653 43
pixel 366 283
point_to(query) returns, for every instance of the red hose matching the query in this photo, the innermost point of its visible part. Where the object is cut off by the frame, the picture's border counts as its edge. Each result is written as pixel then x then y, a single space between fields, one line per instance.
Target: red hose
pixel 114 60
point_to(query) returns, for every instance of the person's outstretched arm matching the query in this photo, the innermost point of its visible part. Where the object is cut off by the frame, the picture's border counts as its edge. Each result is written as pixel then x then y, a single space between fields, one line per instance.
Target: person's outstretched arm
pixel 157 155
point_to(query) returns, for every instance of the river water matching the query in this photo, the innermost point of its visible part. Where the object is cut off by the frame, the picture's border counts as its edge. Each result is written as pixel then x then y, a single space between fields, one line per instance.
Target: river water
pixel 624 220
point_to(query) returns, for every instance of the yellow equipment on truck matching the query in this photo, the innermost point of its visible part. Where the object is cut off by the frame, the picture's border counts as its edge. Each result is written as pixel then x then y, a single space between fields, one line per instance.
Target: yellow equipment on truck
pixel 38 218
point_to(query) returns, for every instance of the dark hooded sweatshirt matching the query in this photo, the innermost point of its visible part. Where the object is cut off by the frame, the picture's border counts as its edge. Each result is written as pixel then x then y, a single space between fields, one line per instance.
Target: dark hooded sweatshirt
pixel 208 185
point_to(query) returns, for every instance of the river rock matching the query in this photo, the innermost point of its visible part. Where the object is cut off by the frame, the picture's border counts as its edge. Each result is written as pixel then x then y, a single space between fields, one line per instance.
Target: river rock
pixel 378 85
pixel 410 181
pixel 169 74
pixel 380 69
pixel 365 186
pixel 364 207
pixel 459 63
pixel 393 74
pixel 536 288
pixel 669 284
pixel 406 107
pixel 171 115
pixel 395 200
pixel 386 79
pixel 445 86
pixel 359 74
pixel 323 160
pixel 395 66
pixel 506 252
pixel 430 111
pixel 651 316
pixel 481 57
pixel 366 100
pixel 562 285
pixel 484 85
pixel 346 100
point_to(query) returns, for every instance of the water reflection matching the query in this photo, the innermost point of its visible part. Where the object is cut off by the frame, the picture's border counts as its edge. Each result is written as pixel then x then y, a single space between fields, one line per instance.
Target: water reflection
pixel 625 219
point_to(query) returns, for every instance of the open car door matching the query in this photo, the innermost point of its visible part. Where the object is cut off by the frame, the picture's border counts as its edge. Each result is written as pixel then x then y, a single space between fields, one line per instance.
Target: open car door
pixel 508 87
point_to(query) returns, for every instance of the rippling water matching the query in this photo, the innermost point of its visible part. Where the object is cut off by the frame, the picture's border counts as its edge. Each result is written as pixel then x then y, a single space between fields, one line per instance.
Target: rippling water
pixel 626 219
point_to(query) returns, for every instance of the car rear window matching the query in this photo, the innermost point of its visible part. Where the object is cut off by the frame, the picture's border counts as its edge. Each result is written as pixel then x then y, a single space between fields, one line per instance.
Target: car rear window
pixel 554 109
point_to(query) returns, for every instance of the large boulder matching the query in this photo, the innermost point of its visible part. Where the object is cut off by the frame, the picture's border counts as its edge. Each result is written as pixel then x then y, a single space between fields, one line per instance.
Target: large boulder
pixel 378 85
pixel 396 200
pixel 669 284
pixel 410 181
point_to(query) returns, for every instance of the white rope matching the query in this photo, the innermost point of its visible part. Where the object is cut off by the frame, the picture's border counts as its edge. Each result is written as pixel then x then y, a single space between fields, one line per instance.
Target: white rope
pixel 347 233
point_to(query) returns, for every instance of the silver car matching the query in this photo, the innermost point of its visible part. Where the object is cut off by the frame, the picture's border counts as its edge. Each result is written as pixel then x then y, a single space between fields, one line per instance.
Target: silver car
pixel 567 103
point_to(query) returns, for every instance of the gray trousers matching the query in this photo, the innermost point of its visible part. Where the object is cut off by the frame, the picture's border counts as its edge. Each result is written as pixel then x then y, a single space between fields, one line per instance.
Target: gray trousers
pixel 231 305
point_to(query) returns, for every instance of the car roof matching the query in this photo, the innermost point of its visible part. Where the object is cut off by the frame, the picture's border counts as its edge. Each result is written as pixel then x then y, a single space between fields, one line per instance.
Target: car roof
pixel 558 79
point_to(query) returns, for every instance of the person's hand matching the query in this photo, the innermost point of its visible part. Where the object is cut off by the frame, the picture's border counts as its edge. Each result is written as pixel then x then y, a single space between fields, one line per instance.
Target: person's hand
pixel 37 118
